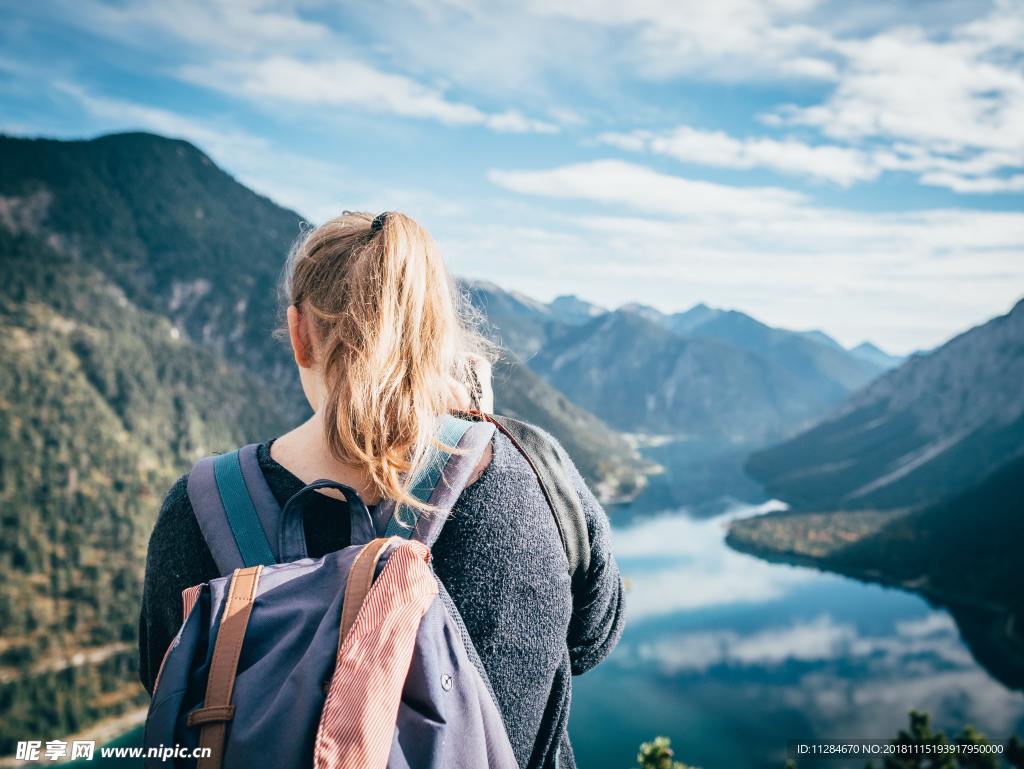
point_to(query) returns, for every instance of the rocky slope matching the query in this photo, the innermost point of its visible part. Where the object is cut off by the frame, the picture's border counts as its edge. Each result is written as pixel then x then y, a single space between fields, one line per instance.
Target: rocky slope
pixel 931 428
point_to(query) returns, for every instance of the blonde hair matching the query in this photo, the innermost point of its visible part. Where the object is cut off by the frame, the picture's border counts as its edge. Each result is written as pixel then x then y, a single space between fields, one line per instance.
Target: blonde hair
pixel 390 332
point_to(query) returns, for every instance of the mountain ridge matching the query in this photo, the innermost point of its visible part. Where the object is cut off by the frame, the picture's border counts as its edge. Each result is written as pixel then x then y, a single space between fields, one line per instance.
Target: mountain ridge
pixel 794 380
pixel 916 434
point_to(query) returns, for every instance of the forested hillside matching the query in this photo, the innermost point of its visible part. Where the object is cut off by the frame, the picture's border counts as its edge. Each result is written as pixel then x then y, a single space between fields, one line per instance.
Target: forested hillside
pixel 102 405
pixel 174 232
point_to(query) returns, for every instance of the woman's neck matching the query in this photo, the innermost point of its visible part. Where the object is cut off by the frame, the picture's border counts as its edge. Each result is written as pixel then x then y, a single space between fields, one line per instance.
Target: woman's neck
pixel 304 453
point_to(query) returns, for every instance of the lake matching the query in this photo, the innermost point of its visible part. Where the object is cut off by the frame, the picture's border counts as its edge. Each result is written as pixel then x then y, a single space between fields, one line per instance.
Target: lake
pixel 731 656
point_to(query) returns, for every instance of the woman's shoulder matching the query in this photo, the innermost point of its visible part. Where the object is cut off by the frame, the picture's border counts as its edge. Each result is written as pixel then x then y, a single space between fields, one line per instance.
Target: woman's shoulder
pixel 507 453
pixel 175 516
pixel 176 545
pixel 510 471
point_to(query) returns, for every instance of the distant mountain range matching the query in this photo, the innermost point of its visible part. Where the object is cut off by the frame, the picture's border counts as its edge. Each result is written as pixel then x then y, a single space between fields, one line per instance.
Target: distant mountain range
pixel 873 354
pixel 933 427
pixel 704 373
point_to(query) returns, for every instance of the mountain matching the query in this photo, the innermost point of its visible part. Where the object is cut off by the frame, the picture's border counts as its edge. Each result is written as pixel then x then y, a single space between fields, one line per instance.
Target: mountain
pixel 513 321
pixel 615 470
pixel 573 310
pixel 876 355
pixel 830 370
pixel 924 431
pixel 821 337
pixel 646 312
pixel 175 233
pixel 685 322
pixel 764 382
pixel 637 375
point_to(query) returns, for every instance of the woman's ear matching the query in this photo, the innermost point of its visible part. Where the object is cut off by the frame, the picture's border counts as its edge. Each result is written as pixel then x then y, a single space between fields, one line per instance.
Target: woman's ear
pixel 298 332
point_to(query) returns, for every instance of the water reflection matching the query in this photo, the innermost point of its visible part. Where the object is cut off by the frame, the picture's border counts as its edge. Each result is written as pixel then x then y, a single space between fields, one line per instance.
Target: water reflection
pixel 732 656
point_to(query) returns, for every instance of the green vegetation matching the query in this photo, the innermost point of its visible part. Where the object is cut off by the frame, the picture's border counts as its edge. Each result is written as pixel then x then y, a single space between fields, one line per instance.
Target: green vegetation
pixel 608 463
pixel 928 749
pixel 173 232
pixel 657 754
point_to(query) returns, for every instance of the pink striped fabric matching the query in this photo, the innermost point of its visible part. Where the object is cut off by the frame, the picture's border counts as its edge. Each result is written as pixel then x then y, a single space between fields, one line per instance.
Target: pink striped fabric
pixel 357 726
pixel 189 597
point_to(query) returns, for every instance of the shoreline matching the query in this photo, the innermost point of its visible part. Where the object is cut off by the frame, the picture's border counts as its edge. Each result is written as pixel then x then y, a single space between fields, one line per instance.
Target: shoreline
pixel 991 631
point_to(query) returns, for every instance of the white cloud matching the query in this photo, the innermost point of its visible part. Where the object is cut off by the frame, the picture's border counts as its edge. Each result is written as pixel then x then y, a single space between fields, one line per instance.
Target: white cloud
pixel 816 640
pixel 235 26
pixel 841 165
pixel 129 115
pixel 952 88
pixel 966 184
pixel 310 186
pixel 276 57
pixel 954 105
pixel 640 188
pixel 723 40
pixel 346 82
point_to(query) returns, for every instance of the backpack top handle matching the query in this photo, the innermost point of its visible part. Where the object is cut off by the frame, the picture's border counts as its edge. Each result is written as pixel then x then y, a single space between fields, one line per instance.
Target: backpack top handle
pixel 244 525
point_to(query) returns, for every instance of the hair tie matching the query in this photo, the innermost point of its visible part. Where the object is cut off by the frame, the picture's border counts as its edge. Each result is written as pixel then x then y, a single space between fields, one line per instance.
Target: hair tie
pixel 378 223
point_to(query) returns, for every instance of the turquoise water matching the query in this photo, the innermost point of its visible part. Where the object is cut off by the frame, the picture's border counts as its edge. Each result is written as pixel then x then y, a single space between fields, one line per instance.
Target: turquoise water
pixel 731 656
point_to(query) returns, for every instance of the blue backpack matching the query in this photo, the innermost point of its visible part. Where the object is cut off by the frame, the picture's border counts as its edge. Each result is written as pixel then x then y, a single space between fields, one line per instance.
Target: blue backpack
pixel 357 659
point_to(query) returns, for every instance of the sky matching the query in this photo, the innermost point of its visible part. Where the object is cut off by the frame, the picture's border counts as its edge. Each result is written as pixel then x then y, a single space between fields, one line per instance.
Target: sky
pixel 856 167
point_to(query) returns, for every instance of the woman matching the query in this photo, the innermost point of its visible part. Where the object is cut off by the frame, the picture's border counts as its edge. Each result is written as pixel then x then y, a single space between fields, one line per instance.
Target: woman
pixel 382 351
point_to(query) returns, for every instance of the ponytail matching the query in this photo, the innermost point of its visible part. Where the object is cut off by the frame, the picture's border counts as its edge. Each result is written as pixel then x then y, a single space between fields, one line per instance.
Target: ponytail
pixel 389 336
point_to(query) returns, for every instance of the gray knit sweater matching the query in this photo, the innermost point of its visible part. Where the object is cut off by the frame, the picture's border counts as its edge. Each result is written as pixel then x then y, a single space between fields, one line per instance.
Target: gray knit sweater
pixel 501 560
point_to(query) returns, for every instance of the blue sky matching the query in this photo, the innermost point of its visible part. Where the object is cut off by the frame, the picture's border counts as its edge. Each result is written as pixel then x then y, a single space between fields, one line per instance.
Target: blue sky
pixel 851 166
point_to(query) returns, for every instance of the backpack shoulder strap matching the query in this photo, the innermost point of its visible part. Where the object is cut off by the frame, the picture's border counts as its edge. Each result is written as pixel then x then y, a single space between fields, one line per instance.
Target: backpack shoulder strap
pixel 439 480
pixel 235 509
pixel 550 465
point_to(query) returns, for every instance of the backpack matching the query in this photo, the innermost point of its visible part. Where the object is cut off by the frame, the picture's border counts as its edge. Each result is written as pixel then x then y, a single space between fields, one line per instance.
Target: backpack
pixel 358 659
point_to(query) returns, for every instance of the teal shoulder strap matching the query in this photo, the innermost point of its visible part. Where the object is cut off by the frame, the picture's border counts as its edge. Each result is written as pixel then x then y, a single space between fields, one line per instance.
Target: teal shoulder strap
pixel 425 480
pixel 240 511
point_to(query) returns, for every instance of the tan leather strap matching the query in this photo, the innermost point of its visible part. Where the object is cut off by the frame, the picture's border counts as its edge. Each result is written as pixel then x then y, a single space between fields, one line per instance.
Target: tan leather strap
pixel 360 580
pixel 217 709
